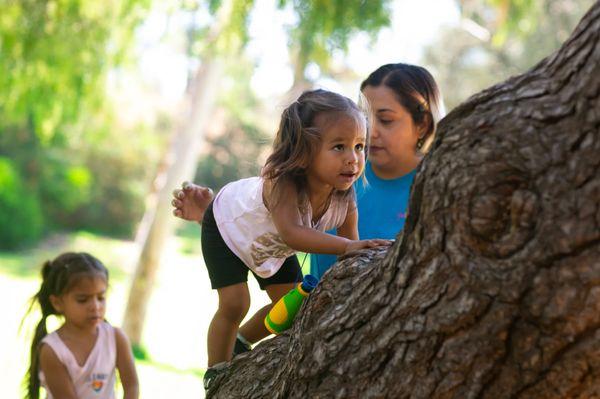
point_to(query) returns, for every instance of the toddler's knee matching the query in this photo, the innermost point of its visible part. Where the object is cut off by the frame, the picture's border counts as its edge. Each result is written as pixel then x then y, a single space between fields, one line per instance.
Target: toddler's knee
pixel 235 311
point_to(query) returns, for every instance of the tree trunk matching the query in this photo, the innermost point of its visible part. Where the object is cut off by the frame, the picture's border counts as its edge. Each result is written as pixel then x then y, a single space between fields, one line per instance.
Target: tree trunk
pixel 493 289
pixel 183 158
pixel 157 226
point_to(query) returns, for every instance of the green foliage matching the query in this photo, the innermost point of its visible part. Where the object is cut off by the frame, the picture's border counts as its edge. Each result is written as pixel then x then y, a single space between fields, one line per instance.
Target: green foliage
pixel 120 182
pixel 238 151
pixel 232 155
pixel 94 178
pixel 504 18
pixel 226 33
pixel 64 185
pixel 516 35
pixel 234 34
pixel 516 17
pixel 54 59
pixel 54 55
pixel 327 25
pixel 21 217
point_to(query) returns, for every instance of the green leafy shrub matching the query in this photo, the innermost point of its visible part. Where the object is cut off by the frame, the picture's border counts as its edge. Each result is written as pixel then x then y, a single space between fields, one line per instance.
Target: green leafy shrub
pixel 120 180
pixel 21 219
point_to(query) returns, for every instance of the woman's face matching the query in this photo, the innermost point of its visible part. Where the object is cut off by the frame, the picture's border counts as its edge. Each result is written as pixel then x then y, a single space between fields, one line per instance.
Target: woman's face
pixel 393 138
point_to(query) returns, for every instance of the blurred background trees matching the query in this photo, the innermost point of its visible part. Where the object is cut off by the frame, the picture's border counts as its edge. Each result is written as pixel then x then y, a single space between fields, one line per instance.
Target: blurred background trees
pixel 495 39
pixel 65 162
pixel 70 159
pixel 87 144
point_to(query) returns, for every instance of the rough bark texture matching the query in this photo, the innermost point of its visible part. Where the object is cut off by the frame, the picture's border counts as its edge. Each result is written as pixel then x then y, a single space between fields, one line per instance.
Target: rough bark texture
pixel 493 290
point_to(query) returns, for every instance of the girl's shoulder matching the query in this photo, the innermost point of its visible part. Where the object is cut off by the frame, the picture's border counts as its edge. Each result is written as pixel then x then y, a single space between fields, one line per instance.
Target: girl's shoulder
pixel 248 187
pixel 51 338
pixel 51 347
pixel 245 183
pixel 283 190
pixel 121 339
pixel 111 332
pixel 54 343
pixel 116 334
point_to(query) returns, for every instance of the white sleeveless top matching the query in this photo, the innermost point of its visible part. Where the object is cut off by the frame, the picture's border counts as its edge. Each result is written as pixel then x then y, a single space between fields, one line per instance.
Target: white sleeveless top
pixel 96 378
pixel 248 230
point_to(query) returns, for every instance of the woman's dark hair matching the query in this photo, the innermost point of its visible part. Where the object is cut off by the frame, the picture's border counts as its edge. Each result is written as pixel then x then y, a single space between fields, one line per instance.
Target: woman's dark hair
pixel 415 89
pixel 58 277
pixel 298 138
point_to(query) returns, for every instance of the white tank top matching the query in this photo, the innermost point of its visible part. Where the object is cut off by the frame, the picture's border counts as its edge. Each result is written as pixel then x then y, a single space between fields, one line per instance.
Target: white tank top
pixel 96 378
pixel 248 230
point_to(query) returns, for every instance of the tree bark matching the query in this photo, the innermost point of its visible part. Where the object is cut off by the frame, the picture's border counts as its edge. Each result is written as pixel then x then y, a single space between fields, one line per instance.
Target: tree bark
pixel 493 289
pixel 158 222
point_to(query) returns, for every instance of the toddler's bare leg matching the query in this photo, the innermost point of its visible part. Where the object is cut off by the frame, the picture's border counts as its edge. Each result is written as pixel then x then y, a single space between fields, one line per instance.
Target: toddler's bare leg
pixel 254 329
pixel 234 302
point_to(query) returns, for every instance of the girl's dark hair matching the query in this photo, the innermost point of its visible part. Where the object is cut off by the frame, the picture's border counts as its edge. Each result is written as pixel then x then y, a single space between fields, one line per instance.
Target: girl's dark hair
pixel 415 89
pixel 58 277
pixel 298 138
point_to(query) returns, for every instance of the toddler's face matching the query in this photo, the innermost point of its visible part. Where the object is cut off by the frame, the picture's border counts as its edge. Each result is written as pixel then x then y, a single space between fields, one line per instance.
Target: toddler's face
pixel 393 138
pixel 340 159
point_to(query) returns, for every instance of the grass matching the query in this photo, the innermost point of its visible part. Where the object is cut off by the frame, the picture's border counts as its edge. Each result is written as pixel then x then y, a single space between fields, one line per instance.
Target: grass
pixel 180 309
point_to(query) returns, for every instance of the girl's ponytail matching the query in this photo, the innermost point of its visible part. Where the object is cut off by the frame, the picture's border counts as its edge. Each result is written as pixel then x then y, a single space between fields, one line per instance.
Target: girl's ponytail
pixel 43 298
pixel 33 379
pixel 287 142
pixel 291 149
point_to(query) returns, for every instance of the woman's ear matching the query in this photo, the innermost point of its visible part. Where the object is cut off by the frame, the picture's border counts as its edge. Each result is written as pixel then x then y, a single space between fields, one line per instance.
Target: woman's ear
pixel 425 135
pixel 56 302
pixel 425 128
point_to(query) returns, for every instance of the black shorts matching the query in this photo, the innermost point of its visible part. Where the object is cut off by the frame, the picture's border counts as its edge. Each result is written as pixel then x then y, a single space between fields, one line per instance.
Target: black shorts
pixel 225 268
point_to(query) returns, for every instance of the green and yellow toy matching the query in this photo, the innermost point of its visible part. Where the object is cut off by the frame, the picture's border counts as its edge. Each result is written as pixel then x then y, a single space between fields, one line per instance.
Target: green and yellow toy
pixel 281 316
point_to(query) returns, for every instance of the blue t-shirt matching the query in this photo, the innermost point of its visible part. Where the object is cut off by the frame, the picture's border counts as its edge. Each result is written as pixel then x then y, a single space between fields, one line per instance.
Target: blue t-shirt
pixel 382 206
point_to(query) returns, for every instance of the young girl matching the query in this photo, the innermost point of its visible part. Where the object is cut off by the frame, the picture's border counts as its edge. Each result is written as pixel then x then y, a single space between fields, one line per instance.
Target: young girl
pixel 78 360
pixel 259 223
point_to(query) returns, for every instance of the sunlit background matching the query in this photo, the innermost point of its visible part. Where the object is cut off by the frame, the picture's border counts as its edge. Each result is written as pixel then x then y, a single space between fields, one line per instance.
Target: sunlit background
pixel 106 106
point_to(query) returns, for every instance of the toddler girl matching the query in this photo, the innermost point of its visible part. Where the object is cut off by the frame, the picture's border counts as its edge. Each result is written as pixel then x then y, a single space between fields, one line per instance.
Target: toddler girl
pixel 78 360
pixel 306 187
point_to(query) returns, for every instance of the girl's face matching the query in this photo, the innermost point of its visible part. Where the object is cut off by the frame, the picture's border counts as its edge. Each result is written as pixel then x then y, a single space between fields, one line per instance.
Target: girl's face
pixel 84 305
pixel 340 159
pixel 393 138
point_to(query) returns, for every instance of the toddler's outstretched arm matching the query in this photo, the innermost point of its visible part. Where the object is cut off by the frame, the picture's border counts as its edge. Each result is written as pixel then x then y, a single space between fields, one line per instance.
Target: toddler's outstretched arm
pixel 287 220
pixel 190 202
pixel 349 230
pixel 371 243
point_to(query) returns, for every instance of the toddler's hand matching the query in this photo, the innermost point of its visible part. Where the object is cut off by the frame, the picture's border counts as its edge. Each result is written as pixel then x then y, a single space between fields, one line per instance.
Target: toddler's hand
pixel 362 244
pixel 191 201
